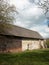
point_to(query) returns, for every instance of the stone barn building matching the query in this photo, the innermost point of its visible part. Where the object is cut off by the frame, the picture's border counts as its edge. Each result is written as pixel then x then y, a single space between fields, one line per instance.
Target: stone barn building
pixel 16 39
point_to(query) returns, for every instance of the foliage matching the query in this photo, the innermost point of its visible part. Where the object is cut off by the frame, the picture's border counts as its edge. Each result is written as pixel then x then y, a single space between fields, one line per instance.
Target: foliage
pixel 7 11
pixel 47 42
pixel 35 57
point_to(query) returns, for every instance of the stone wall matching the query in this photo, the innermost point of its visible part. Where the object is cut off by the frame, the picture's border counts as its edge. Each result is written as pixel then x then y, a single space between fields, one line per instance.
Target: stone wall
pixel 10 44
pixel 15 44
pixel 32 44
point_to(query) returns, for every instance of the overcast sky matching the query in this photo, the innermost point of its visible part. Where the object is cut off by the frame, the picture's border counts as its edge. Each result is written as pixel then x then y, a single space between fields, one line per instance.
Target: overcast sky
pixel 31 17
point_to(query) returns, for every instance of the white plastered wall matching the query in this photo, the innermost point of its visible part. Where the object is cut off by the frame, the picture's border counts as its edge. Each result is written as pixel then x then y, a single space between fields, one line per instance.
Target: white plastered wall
pixel 33 44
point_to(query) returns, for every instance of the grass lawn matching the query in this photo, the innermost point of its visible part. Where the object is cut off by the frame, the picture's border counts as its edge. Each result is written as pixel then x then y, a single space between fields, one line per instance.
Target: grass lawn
pixel 35 57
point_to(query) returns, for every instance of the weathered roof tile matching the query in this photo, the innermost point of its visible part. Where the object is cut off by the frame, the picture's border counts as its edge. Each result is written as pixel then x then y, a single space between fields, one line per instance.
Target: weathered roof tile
pixel 9 29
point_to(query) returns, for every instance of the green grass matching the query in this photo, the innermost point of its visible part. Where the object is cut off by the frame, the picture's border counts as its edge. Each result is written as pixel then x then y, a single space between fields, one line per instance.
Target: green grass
pixel 35 57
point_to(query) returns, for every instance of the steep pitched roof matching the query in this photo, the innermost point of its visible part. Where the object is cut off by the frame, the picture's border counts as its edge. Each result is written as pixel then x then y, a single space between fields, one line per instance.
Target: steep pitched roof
pixel 9 29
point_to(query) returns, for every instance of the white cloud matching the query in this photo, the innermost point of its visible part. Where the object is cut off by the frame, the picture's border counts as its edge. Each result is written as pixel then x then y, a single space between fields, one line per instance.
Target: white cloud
pixel 20 4
pixel 45 35
pixel 19 23
pixel 47 29
pixel 31 17
pixel 32 11
pixel 42 29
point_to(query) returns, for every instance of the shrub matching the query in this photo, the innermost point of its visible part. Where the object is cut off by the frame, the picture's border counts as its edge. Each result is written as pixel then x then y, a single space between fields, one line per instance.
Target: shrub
pixel 47 43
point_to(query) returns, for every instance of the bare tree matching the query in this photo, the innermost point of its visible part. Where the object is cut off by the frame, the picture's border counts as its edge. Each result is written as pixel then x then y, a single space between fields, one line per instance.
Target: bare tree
pixel 7 11
pixel 44 5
